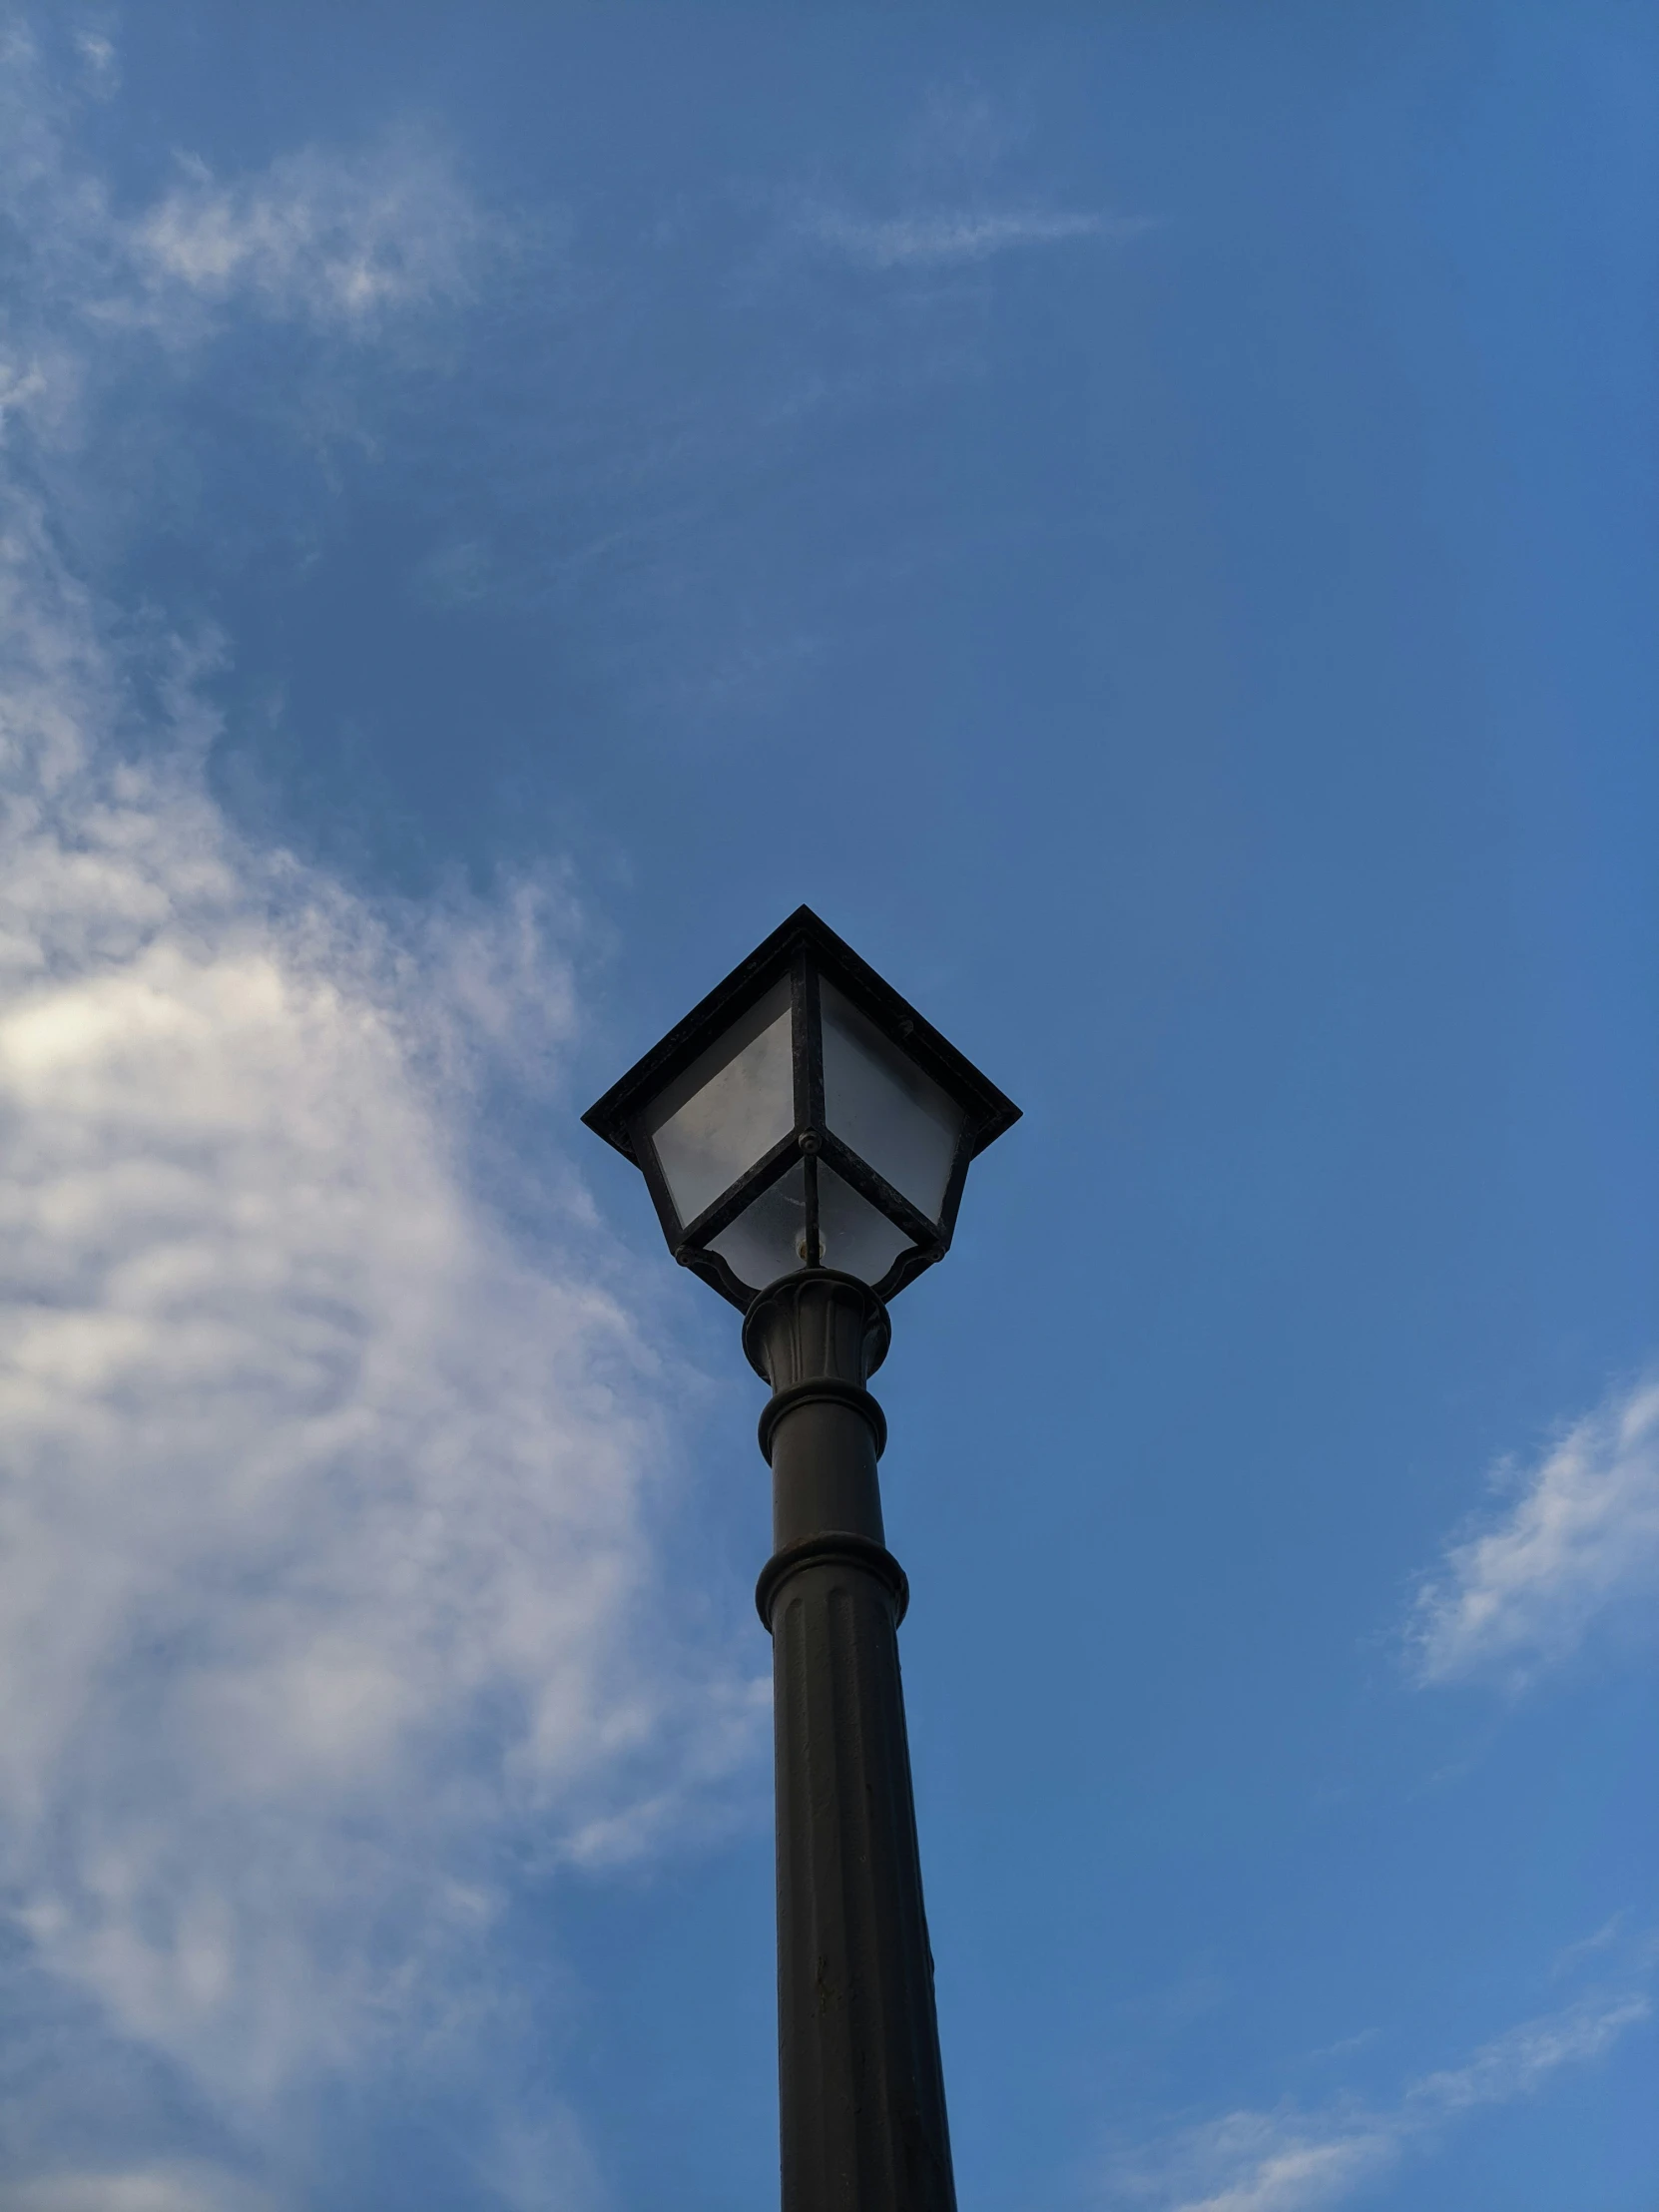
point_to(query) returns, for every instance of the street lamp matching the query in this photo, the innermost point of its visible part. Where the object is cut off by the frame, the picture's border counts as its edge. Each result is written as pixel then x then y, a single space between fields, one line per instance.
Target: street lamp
pixel 805 1136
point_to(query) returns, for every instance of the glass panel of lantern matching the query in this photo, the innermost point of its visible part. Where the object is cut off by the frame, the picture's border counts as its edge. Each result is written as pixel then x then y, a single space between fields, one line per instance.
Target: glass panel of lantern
pixel 852 1235
pixel 717 1122
pixel 768 1238
pixel 729 1109
pixel 885 1109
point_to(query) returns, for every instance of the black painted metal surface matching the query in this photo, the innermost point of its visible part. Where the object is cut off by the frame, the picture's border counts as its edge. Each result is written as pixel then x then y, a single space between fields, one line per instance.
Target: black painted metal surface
pixel 863 2108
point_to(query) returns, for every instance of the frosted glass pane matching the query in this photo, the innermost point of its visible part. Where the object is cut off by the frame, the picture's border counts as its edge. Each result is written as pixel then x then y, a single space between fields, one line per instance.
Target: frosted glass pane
pixel 767 1238
pixel 883 1108
pixel 855 1238
pixel 729 1109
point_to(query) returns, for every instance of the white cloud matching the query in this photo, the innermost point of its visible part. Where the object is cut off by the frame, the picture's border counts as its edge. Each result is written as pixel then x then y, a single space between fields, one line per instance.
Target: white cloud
pixel 1602 1938
pixel 98 58
pixel 1575 1547
pixel 336 239
pixel 1289 2160
pixel 170 2188
pixel 1519 2062
pixel 1262 2162
pixel 326 1577
pixel 322 1505
pixel 942 236
pixel 346 241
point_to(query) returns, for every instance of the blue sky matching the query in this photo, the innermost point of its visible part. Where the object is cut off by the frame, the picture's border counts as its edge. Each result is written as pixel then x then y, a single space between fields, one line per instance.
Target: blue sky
pixel 1146 519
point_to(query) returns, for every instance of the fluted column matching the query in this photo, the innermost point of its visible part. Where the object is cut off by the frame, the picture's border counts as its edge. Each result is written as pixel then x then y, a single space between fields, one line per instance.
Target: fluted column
pixel 863 2108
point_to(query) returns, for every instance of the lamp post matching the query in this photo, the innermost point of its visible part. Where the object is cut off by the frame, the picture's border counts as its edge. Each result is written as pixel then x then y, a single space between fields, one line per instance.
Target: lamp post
pixel 805 1136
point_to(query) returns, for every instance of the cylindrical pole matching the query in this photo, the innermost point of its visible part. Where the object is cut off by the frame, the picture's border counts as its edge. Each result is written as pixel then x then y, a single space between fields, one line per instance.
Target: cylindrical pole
pixel 862 2092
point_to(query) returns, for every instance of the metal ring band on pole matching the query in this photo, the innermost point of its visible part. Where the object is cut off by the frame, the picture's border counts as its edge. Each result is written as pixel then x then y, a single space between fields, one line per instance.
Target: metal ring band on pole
pixel 821 1391
pixel 811 1551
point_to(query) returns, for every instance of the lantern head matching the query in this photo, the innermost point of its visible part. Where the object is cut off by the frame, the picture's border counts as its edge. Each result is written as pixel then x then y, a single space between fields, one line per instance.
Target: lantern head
pixel 804 1115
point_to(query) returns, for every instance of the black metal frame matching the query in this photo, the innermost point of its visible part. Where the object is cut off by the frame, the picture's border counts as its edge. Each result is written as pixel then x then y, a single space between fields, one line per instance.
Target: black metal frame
pixel 803 948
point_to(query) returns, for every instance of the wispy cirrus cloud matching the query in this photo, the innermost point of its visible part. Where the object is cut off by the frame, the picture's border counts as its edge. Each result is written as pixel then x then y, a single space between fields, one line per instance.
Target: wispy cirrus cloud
pixel 1292 2159
pixel 97 56
pixel 942 237
pixel 346 241
pixel 1281 2162
pixel 1573 1547
pixel 340 239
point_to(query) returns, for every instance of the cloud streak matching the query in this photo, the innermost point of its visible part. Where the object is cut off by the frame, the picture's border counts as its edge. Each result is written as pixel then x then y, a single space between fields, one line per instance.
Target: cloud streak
pixel 346 243
pixel 1574 1548
pixel 1291 2160
pixel 946 237
pixel 340 241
